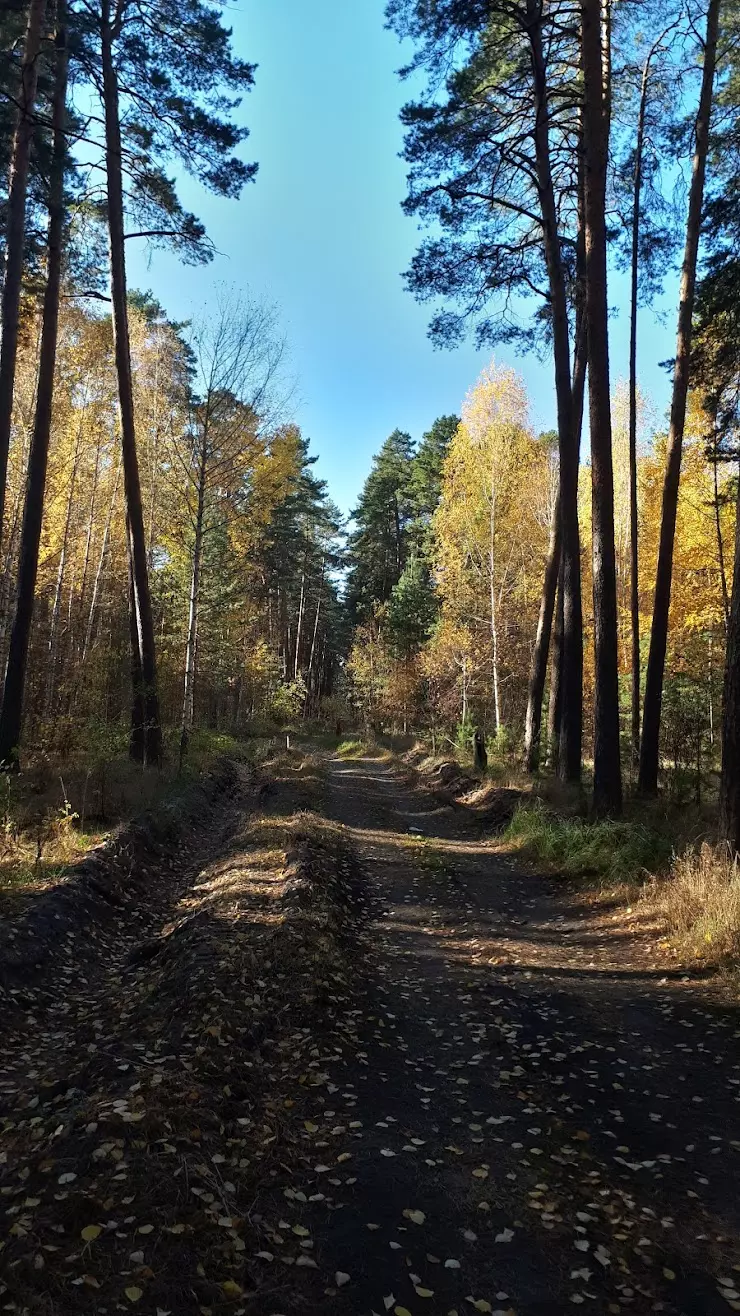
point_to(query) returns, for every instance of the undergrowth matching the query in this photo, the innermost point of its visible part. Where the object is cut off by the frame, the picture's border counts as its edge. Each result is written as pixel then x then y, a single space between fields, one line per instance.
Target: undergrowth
pixel 64 803
pixel 616 852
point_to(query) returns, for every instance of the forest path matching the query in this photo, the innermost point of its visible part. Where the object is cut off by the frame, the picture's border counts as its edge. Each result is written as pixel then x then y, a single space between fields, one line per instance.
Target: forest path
pixel 564 1118
pixel 333 1053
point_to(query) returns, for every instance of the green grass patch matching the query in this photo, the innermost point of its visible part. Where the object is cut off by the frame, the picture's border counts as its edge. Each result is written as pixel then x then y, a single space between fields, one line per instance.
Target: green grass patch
pixel 616 852
pixel 351 749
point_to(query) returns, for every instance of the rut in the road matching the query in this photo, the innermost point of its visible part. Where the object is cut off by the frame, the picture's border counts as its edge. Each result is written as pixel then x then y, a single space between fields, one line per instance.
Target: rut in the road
pixel 496 1125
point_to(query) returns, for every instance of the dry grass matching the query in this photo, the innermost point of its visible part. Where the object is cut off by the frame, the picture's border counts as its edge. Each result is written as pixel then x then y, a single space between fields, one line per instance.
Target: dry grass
pixel 700 902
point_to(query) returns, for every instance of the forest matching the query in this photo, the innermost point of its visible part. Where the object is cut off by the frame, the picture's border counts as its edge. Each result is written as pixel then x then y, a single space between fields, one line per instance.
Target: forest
pixel 169 559
pixel 370 874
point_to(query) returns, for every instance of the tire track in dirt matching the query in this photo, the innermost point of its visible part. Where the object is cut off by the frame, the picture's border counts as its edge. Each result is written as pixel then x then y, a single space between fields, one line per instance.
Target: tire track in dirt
pixel 508 1119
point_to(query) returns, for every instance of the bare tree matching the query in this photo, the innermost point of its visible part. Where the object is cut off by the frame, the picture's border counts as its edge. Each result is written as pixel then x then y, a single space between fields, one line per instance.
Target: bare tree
pixel 238 389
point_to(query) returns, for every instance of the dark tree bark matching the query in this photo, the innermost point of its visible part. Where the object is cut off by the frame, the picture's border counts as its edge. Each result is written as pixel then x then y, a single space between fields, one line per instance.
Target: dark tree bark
pixel 729 790
pixel 15 233
pixel 650 744
pixel 572 650
pixel 607 767
pixel 142 630
pixel 15 676
pixel 480 756
pixel 553 582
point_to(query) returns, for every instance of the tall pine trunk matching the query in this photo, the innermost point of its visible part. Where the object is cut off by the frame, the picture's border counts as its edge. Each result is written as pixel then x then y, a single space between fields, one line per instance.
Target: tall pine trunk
pixel 144 663
pixel 607 767
pixel 729 790
pixel 15 676
pixel 650 744
pixel 634 289
pixel 571 724
pixel 137 735
pixel 15 233
pixel 554 704
pixel 552 591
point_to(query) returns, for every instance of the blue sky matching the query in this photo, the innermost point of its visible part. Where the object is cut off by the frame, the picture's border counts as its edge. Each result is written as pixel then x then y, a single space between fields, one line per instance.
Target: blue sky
pixel 322 235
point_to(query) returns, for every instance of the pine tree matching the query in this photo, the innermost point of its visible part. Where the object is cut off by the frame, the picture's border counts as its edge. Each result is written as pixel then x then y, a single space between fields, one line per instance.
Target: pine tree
pixel 15 677
pixel 596 119
pixel 177 56
pixel 494 169
pixel 425 484
pixel 15 229
pixel 411 611
pixel 649 232
pixel 379 544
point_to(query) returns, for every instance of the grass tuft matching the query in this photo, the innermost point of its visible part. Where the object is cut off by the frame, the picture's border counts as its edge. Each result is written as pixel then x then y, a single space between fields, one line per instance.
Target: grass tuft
pixel 351 749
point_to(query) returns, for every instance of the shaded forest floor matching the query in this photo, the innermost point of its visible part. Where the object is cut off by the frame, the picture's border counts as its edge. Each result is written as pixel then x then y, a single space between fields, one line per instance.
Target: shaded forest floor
pixel 63 805
pixel 322 1047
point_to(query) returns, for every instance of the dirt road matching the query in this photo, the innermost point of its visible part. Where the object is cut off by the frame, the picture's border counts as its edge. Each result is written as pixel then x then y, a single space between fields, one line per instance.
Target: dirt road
pixel 567 1129
pixel 462 1093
